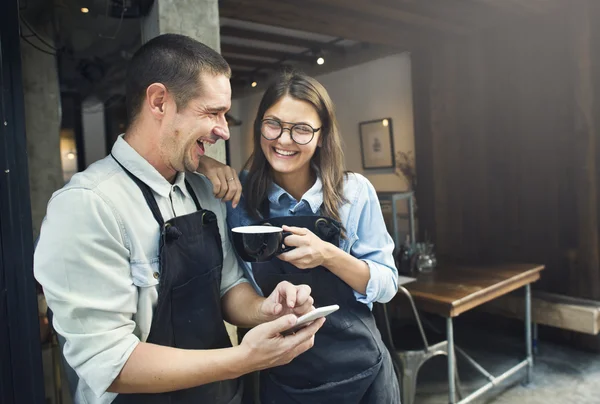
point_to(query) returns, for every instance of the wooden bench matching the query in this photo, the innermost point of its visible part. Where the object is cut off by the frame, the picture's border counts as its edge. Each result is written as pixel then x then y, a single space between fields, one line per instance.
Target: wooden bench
pixel 565 312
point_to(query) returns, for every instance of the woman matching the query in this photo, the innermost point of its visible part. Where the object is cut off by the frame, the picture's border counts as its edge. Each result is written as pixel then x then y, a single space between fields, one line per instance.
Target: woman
pixel 296 179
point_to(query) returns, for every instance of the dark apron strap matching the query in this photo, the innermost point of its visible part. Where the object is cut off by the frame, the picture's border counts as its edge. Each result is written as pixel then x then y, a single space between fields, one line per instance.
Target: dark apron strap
pixel 149 197
pixel 194 197
pixel 147 192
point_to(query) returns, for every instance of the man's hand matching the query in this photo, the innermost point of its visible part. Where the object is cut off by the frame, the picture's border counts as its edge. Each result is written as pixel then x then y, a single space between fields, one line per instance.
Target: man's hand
pixel 286 299
pixel 226 184
pixel 266 347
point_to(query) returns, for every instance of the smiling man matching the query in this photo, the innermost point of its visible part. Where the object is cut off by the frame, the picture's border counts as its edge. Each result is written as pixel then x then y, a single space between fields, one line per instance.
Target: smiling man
pixel 134 256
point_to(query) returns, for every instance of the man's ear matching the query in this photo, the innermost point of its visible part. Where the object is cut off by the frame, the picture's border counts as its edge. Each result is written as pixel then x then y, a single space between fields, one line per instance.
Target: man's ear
pixel 156 99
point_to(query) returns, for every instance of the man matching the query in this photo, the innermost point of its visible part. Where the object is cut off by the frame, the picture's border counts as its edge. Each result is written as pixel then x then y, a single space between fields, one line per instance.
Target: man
pixel 134 256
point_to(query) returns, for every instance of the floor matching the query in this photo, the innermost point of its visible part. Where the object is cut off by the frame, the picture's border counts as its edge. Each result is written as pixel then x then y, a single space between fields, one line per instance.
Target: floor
pixel 561 374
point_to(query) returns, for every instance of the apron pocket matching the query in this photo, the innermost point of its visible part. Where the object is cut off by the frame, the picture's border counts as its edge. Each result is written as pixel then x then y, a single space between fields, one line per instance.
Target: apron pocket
pixel 350 390
pixel 336 322
pixel 196 313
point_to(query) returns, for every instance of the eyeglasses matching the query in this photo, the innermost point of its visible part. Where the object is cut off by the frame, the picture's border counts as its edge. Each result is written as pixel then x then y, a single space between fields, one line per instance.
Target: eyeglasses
pixel 301 133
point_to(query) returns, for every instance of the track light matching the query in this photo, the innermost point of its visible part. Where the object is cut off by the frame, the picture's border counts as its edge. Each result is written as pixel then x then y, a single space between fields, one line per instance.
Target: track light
pixel 318 53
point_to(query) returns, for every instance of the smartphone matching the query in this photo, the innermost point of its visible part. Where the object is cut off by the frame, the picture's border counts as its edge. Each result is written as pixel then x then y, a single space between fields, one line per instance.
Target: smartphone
pixel 311 316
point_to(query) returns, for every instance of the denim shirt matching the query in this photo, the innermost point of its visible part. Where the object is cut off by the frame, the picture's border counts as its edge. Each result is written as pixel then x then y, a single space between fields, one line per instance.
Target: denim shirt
pixel 366 235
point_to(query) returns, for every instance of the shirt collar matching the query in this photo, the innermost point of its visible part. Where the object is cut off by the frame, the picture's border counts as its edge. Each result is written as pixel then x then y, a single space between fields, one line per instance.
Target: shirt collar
pixel 144 171
pixel 180 183
pixel 314 196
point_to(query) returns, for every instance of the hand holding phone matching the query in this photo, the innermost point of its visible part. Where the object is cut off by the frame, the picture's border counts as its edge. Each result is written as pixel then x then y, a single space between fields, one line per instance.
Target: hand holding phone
pixel 309 317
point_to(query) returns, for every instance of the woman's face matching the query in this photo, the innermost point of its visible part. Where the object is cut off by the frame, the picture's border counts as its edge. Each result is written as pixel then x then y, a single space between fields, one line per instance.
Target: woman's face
pixel 283 154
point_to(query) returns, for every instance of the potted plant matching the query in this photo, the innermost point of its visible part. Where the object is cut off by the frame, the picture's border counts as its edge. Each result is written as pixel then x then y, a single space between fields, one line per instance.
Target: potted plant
pixel 405 168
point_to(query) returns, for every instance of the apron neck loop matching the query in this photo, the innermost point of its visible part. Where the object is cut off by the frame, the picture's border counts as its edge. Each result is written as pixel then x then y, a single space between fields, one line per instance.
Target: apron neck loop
pixel 148 196
pixel 194 197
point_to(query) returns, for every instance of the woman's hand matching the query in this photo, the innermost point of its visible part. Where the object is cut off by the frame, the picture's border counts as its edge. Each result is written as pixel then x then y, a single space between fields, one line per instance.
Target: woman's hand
pixel 310 250
pixel 226 184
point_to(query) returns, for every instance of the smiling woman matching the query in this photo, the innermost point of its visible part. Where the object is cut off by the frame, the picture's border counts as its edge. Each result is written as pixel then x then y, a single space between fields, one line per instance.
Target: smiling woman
pixel 295 102
pixel 289 141
pixel 335 241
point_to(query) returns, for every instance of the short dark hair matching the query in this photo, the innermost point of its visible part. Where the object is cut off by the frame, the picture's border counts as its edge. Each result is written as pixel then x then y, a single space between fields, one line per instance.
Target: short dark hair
pixel 176 61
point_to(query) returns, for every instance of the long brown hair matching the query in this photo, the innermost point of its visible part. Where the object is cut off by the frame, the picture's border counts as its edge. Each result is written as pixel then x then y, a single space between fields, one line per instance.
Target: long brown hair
pixel 329 158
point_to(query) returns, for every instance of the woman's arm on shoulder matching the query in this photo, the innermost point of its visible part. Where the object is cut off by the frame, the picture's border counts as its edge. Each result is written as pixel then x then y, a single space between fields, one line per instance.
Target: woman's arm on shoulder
pixel 224 179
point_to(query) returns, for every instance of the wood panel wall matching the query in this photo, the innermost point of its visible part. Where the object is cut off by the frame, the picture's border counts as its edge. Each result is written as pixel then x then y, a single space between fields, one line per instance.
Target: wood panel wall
pixel 508 147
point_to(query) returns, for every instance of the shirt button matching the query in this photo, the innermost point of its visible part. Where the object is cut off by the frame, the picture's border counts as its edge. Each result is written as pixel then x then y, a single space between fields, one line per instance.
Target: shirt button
pixel 155 274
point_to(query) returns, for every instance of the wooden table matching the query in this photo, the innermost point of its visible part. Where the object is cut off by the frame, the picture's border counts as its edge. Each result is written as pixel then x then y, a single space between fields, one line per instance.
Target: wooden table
pixel 452 290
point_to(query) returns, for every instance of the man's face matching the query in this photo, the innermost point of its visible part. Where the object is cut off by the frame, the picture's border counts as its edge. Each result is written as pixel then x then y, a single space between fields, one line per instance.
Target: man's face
pixel 200 122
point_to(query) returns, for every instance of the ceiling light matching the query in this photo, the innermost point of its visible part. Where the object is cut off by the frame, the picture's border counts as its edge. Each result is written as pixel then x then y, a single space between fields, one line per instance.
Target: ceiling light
pixel 385 122
pixel 320 61
pixel 70 155
pixel 254 84
pixel 85 10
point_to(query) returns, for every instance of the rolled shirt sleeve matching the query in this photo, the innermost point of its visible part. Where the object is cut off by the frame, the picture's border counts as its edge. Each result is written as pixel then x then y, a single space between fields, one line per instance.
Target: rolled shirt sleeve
pixel 83 264
pixel 374 245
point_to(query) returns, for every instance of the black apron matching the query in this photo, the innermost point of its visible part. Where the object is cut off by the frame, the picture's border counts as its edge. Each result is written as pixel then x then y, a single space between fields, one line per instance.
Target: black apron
pixel 188 312
pixel 349 362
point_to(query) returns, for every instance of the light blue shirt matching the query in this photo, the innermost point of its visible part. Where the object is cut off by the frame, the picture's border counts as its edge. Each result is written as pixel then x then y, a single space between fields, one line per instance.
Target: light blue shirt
pixel 366 235
pixel 98 261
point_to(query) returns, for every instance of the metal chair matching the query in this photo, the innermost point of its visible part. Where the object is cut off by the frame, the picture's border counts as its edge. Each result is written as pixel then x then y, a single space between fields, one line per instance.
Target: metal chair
pixel 407 363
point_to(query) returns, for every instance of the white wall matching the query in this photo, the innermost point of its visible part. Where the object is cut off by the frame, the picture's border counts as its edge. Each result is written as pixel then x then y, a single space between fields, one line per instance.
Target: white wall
pixel 373 90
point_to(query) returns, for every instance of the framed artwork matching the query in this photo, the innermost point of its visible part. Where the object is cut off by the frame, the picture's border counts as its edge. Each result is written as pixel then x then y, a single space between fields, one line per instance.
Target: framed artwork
pixel 377 143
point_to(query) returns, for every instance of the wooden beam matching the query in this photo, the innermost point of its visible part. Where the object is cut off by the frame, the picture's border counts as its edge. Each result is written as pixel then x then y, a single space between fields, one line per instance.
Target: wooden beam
pixel 467 14
pixel 474 14
pixel 266 53
pixel 256 64
pixel 537 6
pixel 247 74
pixel 398 15
pixel 319 18
pixel 276 38
pixel 519 7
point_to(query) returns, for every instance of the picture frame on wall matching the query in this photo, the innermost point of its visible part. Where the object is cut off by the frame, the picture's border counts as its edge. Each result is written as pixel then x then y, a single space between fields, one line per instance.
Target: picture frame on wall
pixel 377 143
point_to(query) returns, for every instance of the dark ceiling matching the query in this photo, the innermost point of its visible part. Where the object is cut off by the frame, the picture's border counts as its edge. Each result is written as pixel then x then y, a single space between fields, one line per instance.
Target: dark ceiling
pixel 260 36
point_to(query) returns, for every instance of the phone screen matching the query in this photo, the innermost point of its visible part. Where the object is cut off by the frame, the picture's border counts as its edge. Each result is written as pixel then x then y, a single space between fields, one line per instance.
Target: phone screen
pixel 309 317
